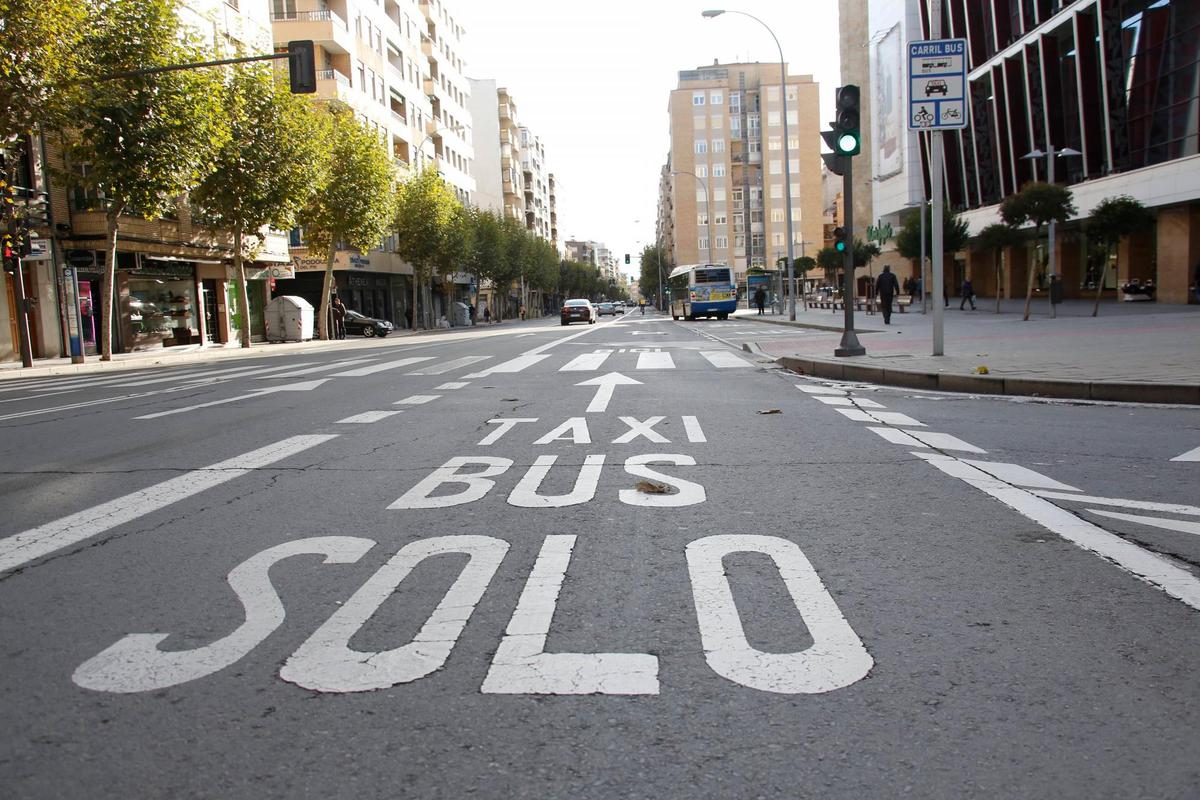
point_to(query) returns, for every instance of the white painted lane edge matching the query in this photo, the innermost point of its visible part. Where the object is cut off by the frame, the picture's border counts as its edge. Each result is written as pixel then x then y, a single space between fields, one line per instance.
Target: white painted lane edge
pixel 944 441
pixel 807 389
pixel 723 359
pixel 1019 476
pixel 367 417
pixel 1149 567
pixel 1137 505
pixel 447 366
pixel 897 437
pixel 512 365
pixel 1183 526
pixel 36 542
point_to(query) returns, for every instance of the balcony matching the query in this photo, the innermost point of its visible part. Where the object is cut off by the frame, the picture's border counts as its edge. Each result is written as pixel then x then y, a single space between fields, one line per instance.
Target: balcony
pixel 324 27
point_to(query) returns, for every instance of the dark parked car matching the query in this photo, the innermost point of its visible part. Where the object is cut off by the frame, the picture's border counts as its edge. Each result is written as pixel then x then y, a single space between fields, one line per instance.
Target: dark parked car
pixel 367 326
pixel 578 311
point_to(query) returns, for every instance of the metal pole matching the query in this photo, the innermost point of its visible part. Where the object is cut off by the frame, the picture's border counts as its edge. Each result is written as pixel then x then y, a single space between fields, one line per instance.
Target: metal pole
pixel 22 315
pixel 924 271
pixel 1052 262
pixel 850 345
pixel 935 29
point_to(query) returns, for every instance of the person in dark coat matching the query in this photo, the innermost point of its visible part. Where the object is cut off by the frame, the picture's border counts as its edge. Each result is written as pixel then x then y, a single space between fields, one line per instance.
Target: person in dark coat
pixel 339 318
pixel 968 294
pixel 886 288
pixel 760 299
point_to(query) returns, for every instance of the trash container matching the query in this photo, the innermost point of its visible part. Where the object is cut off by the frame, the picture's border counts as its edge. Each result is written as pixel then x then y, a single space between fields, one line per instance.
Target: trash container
pixel 461 315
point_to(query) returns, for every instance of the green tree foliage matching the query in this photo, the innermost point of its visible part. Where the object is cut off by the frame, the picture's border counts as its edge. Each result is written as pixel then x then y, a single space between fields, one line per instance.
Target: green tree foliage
pixel 1113 219
pixel 267 170
pixel 354 201
pixel 955 237
pixel 655 262
pixel 831 261
pixel 144 140
pixel 486 251
pixel 1038 203
pixel 40 56
pixel 864 252
pixel 997 238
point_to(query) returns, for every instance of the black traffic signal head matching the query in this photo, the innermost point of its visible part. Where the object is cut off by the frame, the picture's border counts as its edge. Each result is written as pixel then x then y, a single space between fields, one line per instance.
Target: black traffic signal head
pixel 848 136
pixel 302 67
pixel 840 242
pixel 627 258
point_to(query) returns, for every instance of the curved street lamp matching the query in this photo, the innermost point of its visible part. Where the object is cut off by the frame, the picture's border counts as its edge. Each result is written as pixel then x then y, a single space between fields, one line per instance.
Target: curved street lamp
pixel 787 154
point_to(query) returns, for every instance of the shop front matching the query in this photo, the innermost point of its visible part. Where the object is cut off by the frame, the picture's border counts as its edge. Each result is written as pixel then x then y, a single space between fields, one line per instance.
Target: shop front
pixel 158 303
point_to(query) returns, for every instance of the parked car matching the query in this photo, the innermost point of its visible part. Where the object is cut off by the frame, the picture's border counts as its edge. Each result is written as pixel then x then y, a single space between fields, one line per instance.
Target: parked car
pixel 367 326
pixel 578 310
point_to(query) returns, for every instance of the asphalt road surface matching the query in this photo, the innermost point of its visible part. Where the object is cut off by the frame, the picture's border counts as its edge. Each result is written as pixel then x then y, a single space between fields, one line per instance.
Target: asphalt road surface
pixel 618 560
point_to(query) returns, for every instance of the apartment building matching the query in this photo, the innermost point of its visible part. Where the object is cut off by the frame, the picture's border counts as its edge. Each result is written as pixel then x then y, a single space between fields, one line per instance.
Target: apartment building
pixel 499 178
pixel 537 184
pixel 1111 82
pixel 723 185
pixel 552 182
pixel 398 64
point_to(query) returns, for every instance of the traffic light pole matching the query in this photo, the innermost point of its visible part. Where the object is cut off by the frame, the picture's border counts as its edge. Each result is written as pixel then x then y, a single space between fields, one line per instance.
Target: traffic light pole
pixel 22 314
pixel 850 345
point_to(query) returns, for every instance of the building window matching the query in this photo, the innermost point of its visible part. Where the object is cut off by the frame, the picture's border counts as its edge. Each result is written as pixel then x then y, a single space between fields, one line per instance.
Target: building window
pixel 735 102
pixel 772 94
pixel 793 143
pixel 701 218
pixel 718 145
pixel 718 170
pixel 772 119
pixel 697 98
pixel 702 242
pixel 715 98
pixel 701 146
pixel 796 213
pixel 716 123
pixel 793 165
pixel 739 241
pixel 776 166
pixel 792 118
pixel 701 171
pixel 776 191
pixel 720 219
pixel 774 142
pixel 701 193
pixel 722 242
pixel 776 214
pixel 699 121
pixel 737 197
pixel 719 194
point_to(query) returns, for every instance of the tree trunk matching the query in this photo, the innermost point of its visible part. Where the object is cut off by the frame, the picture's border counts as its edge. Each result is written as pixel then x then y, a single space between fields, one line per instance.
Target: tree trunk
pixel 112 218
pixel 413 310
pixel 326 290
pixel 1029 283
pixel 999 275
pixel 239 269
pixel 1100 285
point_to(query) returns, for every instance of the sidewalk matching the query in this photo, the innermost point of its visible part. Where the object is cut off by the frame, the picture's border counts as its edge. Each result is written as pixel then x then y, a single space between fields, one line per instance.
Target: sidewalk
pixel 1139 352
pixel 195 354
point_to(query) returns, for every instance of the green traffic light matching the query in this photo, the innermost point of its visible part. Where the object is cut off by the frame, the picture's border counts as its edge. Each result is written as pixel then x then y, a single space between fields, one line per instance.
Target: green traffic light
pixel 840 247
pixel 847 144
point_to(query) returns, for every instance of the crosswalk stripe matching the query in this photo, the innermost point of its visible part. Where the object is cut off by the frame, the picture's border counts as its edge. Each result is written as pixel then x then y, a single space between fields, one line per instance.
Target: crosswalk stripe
pixel 368 416
pixel 586 362
pixel 515 365
pixel 723 359
pixel 438 369
pixel 350 362
pixel 220 374
pixel 656 360
pixel 417 399
pixel 374 368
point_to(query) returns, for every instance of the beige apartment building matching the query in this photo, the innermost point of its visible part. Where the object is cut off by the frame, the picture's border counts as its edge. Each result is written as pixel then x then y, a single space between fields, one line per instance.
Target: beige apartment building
pixel 722 193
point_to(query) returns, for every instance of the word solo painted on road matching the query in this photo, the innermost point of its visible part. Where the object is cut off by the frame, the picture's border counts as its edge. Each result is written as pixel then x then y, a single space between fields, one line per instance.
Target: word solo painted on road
pixel 325 662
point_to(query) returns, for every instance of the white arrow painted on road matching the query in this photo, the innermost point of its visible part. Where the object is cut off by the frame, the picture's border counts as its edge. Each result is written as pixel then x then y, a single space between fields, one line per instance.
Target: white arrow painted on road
pixel 605 385
pixel 1190 455
pixel 302 386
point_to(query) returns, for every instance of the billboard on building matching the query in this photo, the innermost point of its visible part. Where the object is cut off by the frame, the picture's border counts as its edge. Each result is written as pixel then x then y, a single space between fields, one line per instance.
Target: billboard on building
pixel 889 110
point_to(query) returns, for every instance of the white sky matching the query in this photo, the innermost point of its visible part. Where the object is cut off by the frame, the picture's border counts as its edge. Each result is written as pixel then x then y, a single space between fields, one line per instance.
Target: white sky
pixel 592 80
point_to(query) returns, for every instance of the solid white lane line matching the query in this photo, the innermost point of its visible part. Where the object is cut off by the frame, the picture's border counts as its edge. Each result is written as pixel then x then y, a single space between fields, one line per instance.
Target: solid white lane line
pixel 1153 569
pixel 452 385
pixel 1137 505
pixel 321 368
pixel 586 362
pixel 894 418
pixel 367 416
pixel 897 437
pixel 1181 525
pixel 417 399
pixel 659 360
pixel 723 359
pixel 863 402
pixel 1190 455
pixel 514 365
pixel 438 369
pixel 1019 476
pixel 374 368
pixel 34 543
pixel 819 389
pixel 944 441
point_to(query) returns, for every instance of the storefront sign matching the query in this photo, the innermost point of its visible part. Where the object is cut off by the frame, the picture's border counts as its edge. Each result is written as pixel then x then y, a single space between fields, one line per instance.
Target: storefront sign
pixel 154 267
pixel 342 260
pixel 253 273
pixel 39 250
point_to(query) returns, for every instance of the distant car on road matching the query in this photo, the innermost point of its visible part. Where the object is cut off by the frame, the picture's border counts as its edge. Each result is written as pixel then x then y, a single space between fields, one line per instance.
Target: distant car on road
pixel 609 308
pixel 936 87
pixel 367 326
pixel 578 310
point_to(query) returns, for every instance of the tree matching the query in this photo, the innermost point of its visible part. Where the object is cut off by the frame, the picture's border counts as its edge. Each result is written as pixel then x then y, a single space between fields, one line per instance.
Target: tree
pixel 483 258
pixel 144 140
pixel 1113 219
pixel 997 238
pixel 654 263
pixel 265 173
pixel 353 204
pixel 425 212
pixel 40 55
pixel 1038 203
pixel 954 238
pixel 830 260
pixel 803 265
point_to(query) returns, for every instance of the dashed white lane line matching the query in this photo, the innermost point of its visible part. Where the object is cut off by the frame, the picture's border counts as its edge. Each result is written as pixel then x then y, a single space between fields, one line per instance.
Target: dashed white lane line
pixel 1190 455
pixel 1153 569
pixel 691 427
pixel 655 360
pixel 445 387
pixel 374 368
pixel 417 399
pixel 897 437
pixel 944 441
pixel 1137 505
pixel 438 369
pixel 1020 476
pixel 1181 525
pixel 36 542
pixel 819 390
pixel 587 362
pixel 883 417
pixel 367 416
pixel 723 359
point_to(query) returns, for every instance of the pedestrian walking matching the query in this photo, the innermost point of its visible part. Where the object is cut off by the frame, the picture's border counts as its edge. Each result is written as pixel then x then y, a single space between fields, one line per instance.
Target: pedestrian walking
pixel 760 300
pixel 886 288
pixel 968 294
pixel 919 285
pixel 487 315
pixel 471 312
pixel 339 318
pixel 522 312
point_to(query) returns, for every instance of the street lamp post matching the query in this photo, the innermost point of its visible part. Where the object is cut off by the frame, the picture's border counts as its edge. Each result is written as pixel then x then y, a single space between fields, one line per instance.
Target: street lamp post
pixel 1052 263
pixel 707 207
pixel 787 155
pixel 434 132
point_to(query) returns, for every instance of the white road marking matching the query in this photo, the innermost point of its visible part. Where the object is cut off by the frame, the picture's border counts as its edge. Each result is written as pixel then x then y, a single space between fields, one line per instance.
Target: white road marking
pixel 478 483
pixel 1153 569
pixel 1190 455
pixel 135 664
pixel 521 665
pixel 897 437
pixel 445 387
pixel 574 430
pixel 88 403
pixel 514 365
pixel 374 368
pixel 1183 526
pixel 525 494
pixel 588 362
pixel 659 360
pixel 321 368
pixel 944 441
pixel 831 400
pixel 894 418
pixel 1137 505
pixel 303 386
pixel 689 493
pixel 367 416
pixel 835 659
pixel 326 662
pixel 863 402
pixel 605 384
pixel 505 425
pixel 643 429
pixel 417 399
pixel 438 369
pixel 1019 476
pixel 723 359
pixel 818 389
pixel 36 542
pixel 691 426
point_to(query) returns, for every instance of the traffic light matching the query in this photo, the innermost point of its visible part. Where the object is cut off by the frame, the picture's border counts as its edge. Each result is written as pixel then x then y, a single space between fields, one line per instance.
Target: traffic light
pixel 627 258
pixel 9 252
pixel 833 162
pixel 302 67
pixel 840 240
pixel 848 139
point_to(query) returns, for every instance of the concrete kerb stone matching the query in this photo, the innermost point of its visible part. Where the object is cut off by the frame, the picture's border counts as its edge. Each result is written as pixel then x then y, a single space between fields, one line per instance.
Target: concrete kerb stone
pixel 811 325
